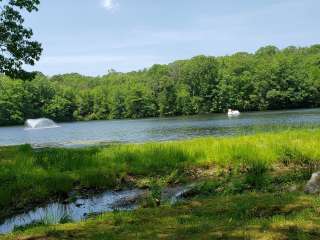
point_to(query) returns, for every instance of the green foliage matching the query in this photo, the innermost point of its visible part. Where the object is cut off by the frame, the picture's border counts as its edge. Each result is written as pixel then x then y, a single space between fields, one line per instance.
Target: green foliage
pixel 16 46
pixel 11 102
pixel 269 79
pixel 60 109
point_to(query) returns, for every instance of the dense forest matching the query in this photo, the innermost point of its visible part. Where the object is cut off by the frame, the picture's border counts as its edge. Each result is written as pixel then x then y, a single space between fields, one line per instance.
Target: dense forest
pixel 268 79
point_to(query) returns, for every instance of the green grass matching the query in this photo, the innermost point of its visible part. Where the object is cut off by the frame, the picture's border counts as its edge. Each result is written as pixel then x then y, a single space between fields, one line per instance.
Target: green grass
pixel 247 216
pixel 238 165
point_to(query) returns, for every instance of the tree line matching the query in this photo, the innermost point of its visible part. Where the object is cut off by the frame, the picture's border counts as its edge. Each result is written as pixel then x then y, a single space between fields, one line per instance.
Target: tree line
pixel 268 79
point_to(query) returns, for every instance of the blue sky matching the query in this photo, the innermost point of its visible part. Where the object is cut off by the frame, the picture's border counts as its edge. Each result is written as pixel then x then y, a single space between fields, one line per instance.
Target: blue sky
pixel 92 36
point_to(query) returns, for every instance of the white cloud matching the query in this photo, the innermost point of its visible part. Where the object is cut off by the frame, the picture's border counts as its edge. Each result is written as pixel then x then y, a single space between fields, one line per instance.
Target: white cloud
pixel 109 4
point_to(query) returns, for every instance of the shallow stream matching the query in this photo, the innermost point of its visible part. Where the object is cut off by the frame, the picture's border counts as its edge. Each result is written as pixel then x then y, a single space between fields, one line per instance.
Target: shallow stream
pixel 82 208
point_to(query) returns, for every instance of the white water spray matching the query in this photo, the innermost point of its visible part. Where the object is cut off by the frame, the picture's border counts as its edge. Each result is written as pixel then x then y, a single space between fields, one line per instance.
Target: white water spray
pixel 40 123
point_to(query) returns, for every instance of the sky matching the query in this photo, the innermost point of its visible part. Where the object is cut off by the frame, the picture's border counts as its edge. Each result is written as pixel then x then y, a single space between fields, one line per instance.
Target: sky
pixel 91 36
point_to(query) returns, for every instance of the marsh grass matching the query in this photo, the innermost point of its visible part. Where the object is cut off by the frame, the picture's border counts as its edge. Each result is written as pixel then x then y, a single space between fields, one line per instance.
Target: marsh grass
pixel 46 221
pixel 28 176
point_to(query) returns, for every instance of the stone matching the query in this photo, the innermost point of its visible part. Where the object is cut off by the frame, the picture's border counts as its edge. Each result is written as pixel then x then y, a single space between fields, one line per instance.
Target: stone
pixel 292 188
pixel 128 201
pixel 313 185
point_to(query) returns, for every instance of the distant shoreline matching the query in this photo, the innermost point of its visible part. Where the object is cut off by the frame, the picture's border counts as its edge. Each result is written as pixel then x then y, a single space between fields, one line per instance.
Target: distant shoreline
pixel 178 116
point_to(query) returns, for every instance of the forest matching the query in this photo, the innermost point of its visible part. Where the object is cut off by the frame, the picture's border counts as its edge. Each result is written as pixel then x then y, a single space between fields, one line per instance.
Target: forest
pixel 269 79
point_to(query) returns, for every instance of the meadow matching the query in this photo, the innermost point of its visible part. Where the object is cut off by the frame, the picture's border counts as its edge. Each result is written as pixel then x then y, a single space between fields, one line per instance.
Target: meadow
pixel 246 185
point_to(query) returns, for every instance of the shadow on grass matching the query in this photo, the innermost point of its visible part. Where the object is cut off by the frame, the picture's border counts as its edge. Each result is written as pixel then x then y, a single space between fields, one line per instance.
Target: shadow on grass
pixel 249 216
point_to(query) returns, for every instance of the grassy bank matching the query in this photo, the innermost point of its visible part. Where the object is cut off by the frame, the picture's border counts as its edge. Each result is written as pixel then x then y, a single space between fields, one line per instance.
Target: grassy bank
pixel 219 207
pixel 247 216
pixel 239 171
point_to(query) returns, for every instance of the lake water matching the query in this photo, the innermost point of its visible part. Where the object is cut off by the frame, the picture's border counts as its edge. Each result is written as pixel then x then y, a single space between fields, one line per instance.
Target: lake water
pixel 157 129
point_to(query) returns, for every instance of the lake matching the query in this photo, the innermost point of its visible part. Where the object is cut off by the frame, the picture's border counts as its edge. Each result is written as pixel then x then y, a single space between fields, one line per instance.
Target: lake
pixel 157 129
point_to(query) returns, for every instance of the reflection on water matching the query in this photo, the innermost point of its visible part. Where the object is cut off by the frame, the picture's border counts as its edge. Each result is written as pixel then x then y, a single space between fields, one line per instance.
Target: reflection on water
pixel 158 129
pixel 74 211
pixel 79 210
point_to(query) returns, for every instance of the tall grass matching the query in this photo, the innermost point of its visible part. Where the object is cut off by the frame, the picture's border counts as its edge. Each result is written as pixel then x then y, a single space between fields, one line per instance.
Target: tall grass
pixel 29 176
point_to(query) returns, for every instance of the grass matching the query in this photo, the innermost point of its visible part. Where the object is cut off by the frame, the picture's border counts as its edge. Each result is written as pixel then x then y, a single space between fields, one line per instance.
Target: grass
pixel 246 216
pixel 243 190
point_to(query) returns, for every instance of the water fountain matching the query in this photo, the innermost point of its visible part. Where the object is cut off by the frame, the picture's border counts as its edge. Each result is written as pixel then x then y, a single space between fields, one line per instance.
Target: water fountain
pixel 40 123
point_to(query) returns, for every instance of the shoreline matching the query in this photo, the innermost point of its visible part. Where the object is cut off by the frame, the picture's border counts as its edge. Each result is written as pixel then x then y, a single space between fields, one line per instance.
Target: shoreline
pixel 177 116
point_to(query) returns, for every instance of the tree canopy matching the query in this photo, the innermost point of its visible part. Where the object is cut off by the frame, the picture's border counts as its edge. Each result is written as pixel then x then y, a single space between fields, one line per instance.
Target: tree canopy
pixel 268 79
pixel 16 45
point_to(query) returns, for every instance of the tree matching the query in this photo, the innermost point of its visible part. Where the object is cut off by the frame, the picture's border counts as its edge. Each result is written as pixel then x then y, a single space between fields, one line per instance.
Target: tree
pixel 184 101
pixel 269 79
pixel 11 102
pixel 60 109
pixel 16 46
pixel 167 97
pixel 101 107
pixel 139 103
pixel 85 104
pixel 267 51
pixel 201 75
pixel 40 93
pixel 117 104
